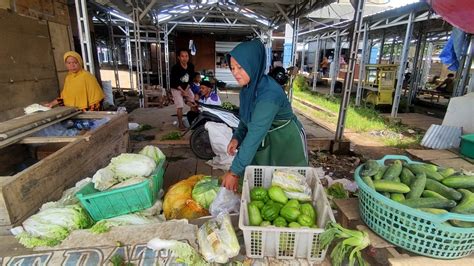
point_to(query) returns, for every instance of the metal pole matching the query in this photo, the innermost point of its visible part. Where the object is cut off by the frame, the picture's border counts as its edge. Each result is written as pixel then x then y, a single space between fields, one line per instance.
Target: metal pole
pixel 128 48
pixel 316 62
pixel 427 64
pixel 413 85
pixel 365 48
pixel 392 50
pixel 303 52
pixel 167 59
pixel 466 68
pixel 138 56
pixel 401 69
pixel 293 57
pixel 147 56
pixel 341 119
pixel 268 46
pixel 84 35
pixel 335 61
pixel 382 43
pixel 113 51
pixel 419 74
pixel 158 55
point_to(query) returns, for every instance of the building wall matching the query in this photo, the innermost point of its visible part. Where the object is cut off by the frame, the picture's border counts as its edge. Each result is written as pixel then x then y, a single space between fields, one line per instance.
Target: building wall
pixel 205 46
pixel 35 34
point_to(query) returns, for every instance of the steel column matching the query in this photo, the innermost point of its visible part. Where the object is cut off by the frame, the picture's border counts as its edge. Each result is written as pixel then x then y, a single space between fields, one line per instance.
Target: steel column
pixel 349 80
pixel 316 61
pixel 392 50
pixel 268 46
pixel 158 56
pixel 382 43
pixel 413 86
pixel 303 52
pixel 167 59
pixel 401 69
pixel 293 57
pixel 363 57
pixel 466 68
pixel 113 51
pixel 427 64
pixel 128 49
pixel 138 56
pixel 334 71
pixel 147 56
pixel 84 35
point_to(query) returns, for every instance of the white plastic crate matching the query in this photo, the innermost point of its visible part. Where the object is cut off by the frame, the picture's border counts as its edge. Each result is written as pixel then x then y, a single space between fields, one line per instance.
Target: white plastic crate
pixel 281 242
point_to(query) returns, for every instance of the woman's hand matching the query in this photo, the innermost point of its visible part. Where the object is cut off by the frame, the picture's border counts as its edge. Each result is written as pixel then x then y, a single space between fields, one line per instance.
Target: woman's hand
pixel 232 147
pixel 230 181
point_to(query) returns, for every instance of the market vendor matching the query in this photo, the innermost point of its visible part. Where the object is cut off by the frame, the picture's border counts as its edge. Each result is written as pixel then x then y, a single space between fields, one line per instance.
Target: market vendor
pixel 81 89
pixel 269 132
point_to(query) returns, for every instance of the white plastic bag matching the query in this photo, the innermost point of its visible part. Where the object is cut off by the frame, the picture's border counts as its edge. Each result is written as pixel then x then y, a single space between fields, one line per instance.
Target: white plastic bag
pixel 217 240
pixel 226 201
pixel 293 184
pixel 219 135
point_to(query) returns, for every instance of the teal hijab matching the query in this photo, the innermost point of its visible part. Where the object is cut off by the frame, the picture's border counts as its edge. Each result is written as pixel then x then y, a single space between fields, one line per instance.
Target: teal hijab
pixel 251 56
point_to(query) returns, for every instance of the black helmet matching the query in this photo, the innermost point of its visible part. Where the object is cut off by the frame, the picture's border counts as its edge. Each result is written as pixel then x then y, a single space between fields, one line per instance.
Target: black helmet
pixel 279 74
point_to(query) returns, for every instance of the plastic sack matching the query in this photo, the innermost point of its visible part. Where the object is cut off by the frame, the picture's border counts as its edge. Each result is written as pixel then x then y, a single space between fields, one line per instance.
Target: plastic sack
pixel 178 202
pixel 219 135
pixel 293 184
pixel 226 201
pixel 217 240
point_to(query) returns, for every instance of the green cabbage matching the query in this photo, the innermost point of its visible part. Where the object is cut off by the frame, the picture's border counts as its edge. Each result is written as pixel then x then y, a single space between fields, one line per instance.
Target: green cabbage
pixel 50 226
pixel 127 219
pixel 205 191
pixel 128 165
pixel 104 179
pixel 154 153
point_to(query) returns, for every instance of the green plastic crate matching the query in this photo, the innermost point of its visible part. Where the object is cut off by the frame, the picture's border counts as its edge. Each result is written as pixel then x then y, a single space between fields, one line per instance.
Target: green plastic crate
pixel 106 204
pixel 467 145
pixel 414 230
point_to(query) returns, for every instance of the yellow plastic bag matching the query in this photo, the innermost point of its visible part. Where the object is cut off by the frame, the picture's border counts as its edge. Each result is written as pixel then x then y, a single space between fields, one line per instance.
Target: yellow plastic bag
pixel 178 202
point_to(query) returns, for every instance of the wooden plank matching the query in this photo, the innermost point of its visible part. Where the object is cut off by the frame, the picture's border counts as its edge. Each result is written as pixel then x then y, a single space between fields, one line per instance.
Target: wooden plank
pixel 427 155
pixel 456 163
pixel 18 137
pixel 94 115
pixel 319 144
pixel 348 212
pixel 59 36
pixel 40 140
pixel 25 192
pixel 23 123
pixel 202 168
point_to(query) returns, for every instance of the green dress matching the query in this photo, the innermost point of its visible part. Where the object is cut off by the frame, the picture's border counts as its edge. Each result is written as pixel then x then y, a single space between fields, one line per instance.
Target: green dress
pixel 268 133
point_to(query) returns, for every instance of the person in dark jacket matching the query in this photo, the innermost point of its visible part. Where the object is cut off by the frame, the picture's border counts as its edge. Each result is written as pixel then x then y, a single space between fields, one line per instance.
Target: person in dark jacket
pixel 180 83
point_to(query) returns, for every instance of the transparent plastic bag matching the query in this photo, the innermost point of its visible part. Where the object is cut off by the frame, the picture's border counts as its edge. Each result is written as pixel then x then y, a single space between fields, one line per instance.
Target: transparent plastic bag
pixel 226 201
pixel 293 184
pixel 217 240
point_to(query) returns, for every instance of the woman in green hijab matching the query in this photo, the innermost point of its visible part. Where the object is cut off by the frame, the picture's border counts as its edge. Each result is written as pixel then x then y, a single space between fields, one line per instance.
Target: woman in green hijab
pixel 269 132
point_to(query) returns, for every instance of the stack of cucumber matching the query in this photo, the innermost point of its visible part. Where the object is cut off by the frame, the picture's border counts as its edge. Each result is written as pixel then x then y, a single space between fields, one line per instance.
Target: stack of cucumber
pixel 423 186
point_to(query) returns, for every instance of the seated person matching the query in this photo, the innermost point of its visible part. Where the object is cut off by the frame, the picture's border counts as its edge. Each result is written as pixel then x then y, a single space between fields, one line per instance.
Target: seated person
pixel 447 85
pixel 208 95
pixel 196 86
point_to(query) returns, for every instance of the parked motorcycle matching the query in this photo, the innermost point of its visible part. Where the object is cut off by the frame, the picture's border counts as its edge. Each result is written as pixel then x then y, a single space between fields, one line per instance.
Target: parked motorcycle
pixel 199 141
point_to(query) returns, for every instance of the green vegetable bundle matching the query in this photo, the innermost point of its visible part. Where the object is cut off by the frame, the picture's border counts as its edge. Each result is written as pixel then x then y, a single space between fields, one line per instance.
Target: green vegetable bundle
pixel 350 245
pixel 426 187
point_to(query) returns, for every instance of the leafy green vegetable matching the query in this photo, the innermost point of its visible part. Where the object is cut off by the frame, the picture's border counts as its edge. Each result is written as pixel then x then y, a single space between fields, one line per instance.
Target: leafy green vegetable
pixel 52 225
pixel 205 191
pixel 337 191
pixel 127 165
pixel 105 225
pixel 351 242
pixel 154 153
pixel 185 253
pixel 171 136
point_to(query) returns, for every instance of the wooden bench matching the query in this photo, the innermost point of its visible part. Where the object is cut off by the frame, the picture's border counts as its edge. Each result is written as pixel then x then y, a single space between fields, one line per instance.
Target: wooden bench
pixel 154 96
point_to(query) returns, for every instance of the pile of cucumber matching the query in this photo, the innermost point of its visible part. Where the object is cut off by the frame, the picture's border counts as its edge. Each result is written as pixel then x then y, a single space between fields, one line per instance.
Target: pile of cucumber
pixel 425 187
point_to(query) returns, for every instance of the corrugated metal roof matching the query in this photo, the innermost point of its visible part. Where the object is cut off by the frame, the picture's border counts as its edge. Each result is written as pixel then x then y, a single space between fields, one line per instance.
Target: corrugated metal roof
pixel 442 137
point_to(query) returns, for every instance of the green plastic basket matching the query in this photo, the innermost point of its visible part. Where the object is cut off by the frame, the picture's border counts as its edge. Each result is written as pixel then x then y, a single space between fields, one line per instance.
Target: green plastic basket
pixel 106 204
pixel 414 230
pixel 467 145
